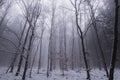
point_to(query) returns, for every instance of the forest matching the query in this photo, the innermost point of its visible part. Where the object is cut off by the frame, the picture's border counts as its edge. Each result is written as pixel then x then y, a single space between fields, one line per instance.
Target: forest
pixel 59 40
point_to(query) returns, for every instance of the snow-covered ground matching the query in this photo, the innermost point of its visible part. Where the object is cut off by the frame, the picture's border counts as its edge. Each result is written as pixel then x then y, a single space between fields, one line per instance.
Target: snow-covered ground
pixel 96 74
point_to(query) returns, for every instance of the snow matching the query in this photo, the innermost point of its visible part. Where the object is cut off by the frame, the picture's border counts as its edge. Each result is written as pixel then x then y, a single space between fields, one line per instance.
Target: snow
pixel 96 74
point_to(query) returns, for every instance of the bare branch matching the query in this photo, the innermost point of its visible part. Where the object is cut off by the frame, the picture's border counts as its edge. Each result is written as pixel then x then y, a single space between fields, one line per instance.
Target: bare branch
pixel 10 42
pixel 10 30
pixel 73 4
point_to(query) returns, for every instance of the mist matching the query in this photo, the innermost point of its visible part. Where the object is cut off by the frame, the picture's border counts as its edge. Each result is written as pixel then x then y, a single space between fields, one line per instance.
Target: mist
pixel 59 40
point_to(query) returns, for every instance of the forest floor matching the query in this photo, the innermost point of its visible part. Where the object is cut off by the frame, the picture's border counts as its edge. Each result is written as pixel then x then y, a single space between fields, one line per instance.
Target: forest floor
pixel 96 74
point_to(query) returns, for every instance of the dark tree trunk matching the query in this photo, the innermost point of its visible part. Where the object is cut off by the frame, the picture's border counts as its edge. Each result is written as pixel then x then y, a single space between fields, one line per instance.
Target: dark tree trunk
pixel 25 69
pixel 48 64
pixel 85 59
pixel 80 33
pixel 23 50
pixel 114 52
pixel 28 53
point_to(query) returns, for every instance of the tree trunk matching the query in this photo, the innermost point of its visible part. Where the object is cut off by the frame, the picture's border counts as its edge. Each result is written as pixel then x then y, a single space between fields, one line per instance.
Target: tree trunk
pixel 72 56
pixel 39 62
pixel 101 50
pixel 114 52
pixel 28 53
pixel 33 60
pixel 25 69
pixel 80 33
pixel 48 64
pixel 65 53
pixel 23 50
pixel 85 59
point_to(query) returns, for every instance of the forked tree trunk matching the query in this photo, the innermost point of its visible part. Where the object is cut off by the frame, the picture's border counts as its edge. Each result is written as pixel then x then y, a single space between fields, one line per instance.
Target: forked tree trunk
pixel 80 33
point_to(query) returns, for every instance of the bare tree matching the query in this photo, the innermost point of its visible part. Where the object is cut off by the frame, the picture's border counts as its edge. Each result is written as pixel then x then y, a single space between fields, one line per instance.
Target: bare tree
pixel 72 55
pixel 94 24
pixel 51 39
pixel 76 4
pixel 41 39
pixel 65 44
pixel 61 56
pixel 31 12
pixel 115 46
pixel 32 23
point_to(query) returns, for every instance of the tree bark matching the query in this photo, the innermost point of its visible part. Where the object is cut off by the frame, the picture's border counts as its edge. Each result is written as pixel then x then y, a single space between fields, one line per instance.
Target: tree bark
pixel 23 50
pixel 80 33
pixel 115 47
